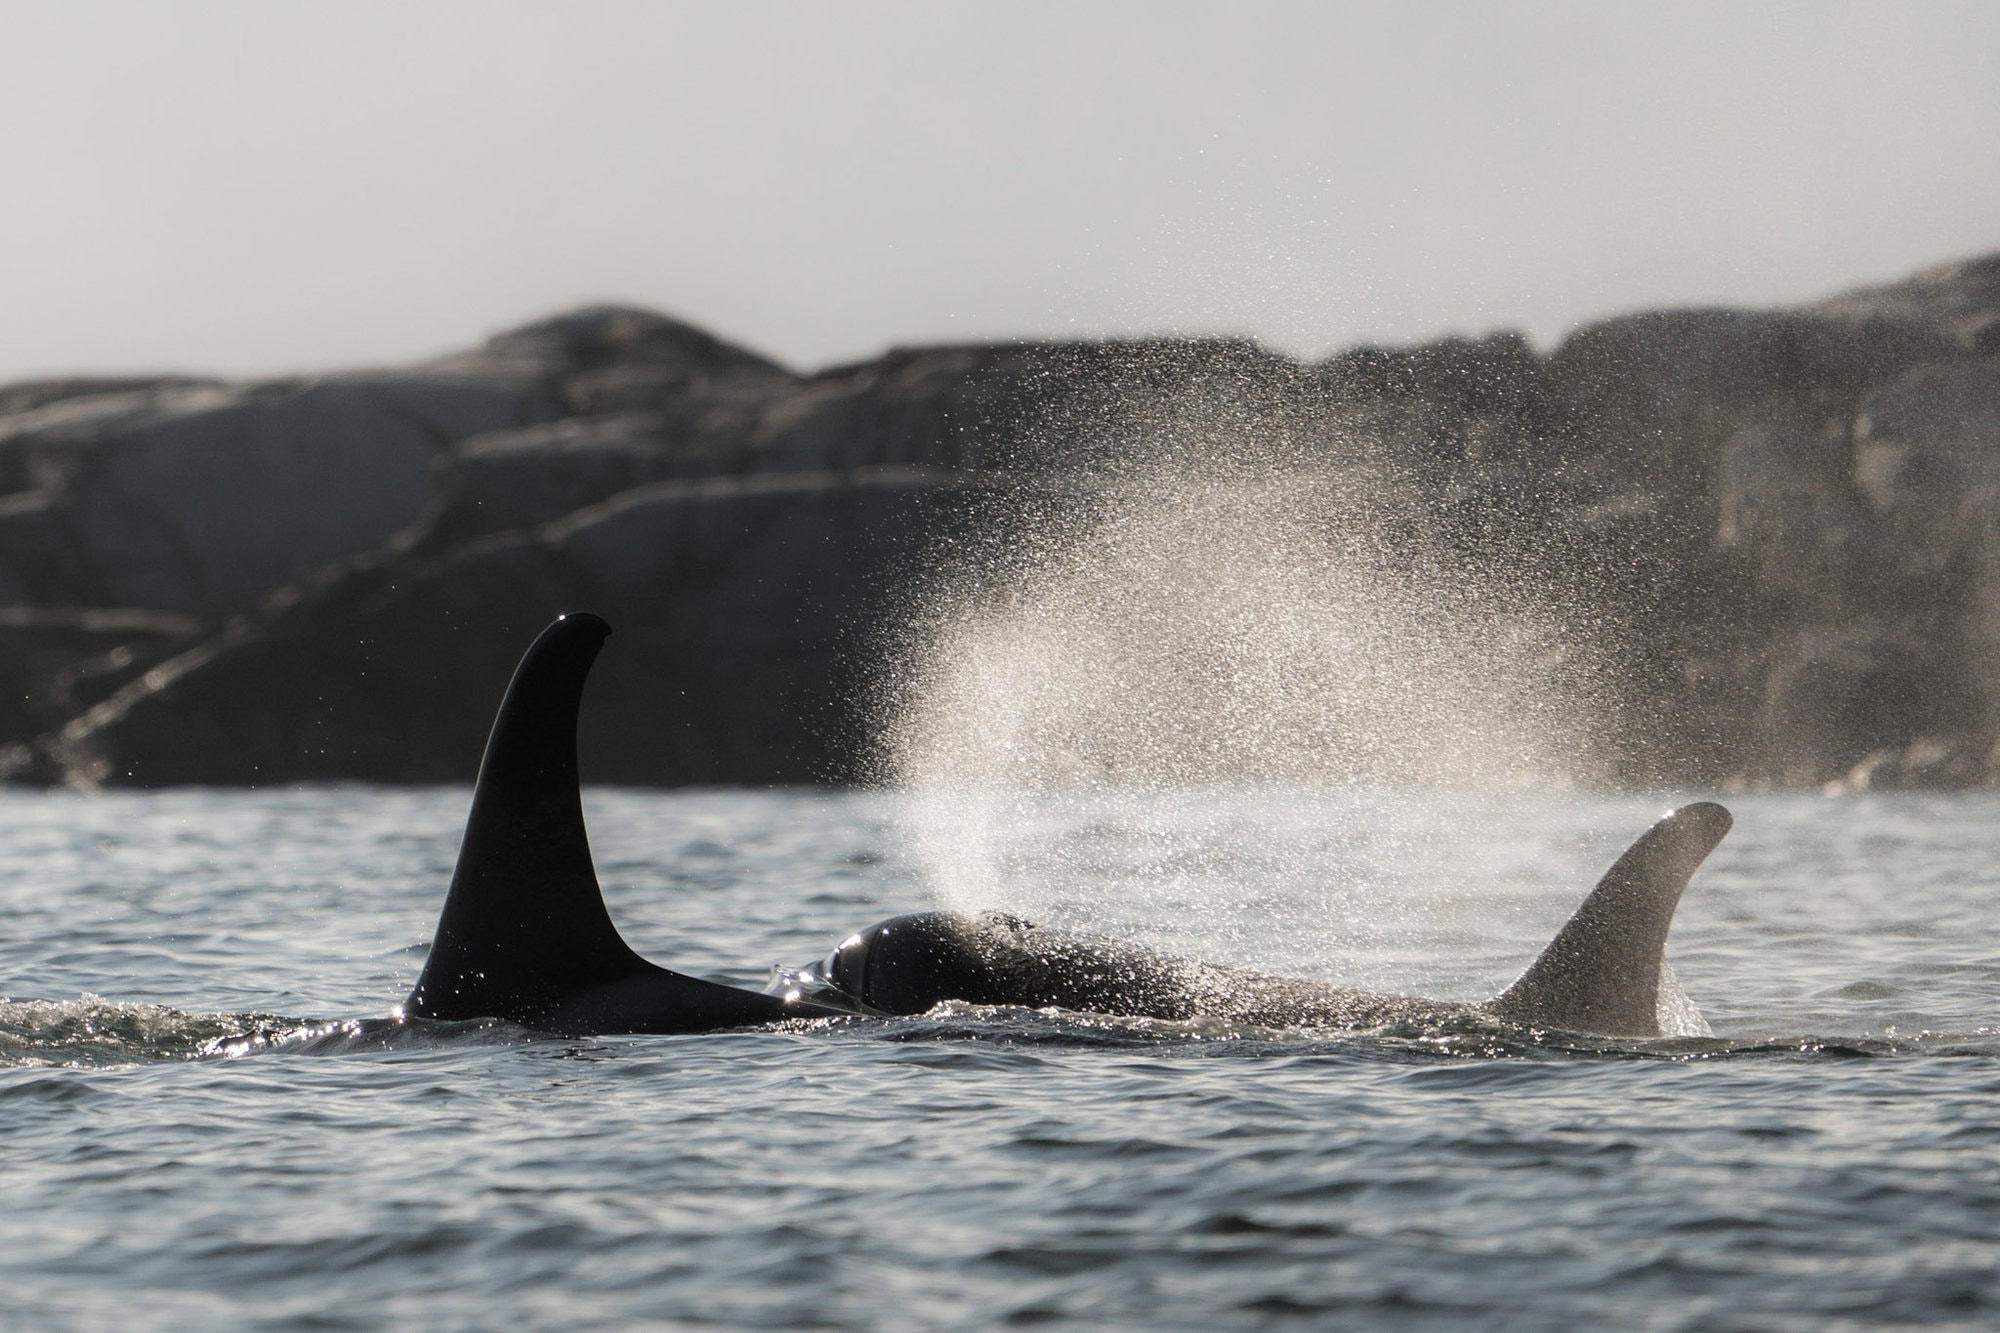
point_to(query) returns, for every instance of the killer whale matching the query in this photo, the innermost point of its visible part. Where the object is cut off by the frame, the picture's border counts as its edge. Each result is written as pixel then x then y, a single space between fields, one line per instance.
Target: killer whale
pixel 1601 974
pixel 525 936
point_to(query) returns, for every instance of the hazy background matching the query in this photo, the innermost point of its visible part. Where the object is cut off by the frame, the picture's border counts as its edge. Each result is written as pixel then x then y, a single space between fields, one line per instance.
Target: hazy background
pixel 246 188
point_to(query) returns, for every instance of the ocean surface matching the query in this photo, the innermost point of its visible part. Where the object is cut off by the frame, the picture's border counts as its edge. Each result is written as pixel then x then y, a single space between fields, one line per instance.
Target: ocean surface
pixel 210 1116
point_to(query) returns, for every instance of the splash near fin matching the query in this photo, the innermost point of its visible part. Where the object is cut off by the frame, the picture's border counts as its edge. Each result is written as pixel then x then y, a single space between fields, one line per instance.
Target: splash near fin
pixel 525 935
pixel 1601 973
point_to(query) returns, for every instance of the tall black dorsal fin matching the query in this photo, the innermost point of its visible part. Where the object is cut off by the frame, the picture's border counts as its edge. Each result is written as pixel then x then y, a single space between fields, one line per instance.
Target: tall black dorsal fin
pixel 525 935
pixel 1601 973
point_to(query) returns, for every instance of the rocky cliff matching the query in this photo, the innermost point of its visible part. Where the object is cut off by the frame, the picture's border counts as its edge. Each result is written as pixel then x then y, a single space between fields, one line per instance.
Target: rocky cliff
pixel 1784 526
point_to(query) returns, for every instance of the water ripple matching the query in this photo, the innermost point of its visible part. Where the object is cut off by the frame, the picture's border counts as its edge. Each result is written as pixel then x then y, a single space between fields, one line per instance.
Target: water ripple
pixel 179 1136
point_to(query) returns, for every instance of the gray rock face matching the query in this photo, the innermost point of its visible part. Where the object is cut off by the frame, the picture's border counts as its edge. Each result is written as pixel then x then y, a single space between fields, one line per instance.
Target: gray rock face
pixel 735 602
pixel 1782 523
pixel 203 500
pixel 1958 303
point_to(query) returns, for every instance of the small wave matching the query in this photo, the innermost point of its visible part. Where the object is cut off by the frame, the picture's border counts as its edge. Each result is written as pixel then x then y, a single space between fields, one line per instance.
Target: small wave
pixel 350 1036
pixel 1453 1038
pixel 91 1032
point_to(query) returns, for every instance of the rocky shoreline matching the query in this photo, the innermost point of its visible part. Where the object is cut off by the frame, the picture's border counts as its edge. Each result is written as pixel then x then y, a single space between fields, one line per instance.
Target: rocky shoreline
pixel 1787 521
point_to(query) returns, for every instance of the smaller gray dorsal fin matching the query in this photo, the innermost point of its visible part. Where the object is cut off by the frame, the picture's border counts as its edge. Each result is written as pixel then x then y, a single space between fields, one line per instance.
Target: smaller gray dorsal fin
pixel 1601 973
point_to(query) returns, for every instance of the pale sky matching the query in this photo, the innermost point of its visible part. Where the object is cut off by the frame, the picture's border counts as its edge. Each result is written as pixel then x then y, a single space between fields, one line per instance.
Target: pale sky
pixel 252 188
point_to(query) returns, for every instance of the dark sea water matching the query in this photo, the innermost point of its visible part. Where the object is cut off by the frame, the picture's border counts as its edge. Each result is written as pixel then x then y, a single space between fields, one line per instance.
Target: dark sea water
pixel 209 1118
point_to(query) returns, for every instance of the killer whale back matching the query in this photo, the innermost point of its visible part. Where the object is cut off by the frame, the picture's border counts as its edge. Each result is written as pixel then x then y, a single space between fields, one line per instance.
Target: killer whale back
pixel 524 934
pixel 1601 973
